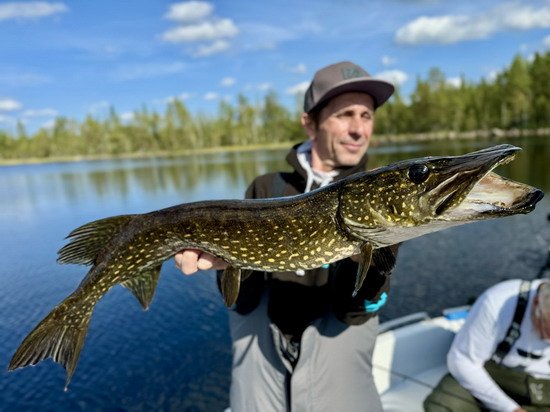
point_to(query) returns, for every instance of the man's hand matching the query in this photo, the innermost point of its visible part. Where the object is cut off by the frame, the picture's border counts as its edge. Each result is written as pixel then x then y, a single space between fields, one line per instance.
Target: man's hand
pixel 190 261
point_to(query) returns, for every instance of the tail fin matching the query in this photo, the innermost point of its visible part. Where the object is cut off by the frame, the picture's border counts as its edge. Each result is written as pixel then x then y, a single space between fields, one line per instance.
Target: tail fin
pixel 53 338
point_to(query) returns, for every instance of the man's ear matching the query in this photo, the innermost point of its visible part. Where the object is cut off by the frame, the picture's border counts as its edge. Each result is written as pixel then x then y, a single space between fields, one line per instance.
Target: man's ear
pixel 309 125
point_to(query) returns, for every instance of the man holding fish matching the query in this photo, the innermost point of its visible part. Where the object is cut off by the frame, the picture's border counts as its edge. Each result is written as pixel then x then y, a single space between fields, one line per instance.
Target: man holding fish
pixel 302 340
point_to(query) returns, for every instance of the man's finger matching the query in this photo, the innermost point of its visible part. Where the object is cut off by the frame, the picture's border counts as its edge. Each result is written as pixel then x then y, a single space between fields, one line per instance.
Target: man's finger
pixel 187 261
pixel 205 261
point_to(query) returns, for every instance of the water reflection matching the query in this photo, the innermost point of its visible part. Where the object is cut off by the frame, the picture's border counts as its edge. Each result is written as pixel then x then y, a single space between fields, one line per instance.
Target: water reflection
pixel 76 182
pixel 216 175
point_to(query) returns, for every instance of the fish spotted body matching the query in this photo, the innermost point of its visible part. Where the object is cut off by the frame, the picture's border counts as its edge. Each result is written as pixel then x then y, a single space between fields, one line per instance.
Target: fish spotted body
pixel 356 215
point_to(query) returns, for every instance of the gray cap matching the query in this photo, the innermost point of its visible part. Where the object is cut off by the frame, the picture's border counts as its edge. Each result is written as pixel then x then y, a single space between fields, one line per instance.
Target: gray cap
pixel 344 77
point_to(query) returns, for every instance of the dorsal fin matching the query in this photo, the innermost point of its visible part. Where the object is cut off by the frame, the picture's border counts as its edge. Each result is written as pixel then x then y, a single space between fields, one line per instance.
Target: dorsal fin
pixel 87 240
pixel 143 285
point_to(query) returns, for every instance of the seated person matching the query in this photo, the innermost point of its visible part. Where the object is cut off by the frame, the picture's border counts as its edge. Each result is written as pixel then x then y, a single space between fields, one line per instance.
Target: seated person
pixel 500 359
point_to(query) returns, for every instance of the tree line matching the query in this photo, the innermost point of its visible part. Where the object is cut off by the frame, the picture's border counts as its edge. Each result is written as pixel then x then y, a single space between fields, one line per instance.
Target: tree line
pixel 517 98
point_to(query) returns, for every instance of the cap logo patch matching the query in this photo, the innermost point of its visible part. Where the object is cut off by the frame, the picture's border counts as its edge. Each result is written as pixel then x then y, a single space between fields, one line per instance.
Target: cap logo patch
pixel 351 72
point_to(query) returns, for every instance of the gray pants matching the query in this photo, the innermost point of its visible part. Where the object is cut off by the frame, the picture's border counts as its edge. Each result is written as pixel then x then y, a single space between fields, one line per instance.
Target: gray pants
pixel 333 372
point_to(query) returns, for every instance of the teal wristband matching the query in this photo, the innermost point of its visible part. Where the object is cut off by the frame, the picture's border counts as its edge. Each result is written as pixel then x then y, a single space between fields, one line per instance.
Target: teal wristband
pixel 371 307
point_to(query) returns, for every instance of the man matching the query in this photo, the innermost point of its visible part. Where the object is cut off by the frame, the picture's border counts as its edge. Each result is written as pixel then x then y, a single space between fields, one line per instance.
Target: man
pixel 301 341
pixel 501 356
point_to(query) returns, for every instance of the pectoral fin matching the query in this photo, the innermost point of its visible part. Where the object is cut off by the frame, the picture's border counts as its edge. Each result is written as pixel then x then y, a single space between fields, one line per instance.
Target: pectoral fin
pixel 230 284
pixel 245 274
pixel 143 286
pixel 384 260
pixel 366 252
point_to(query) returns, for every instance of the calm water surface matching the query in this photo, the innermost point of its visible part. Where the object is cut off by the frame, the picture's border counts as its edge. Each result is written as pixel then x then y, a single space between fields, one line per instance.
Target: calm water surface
pixel 176 355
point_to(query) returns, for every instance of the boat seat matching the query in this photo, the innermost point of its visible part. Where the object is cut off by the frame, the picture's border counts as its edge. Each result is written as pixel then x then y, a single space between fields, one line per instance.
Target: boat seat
pixel 409 361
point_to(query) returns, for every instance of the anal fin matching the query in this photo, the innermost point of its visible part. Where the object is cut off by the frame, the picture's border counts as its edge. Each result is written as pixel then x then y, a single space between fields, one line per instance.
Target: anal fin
pixel 366 254
pixel 143 285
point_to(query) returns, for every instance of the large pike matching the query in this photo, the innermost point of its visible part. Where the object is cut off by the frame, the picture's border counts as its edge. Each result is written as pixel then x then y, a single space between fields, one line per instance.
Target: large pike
pixel 355 215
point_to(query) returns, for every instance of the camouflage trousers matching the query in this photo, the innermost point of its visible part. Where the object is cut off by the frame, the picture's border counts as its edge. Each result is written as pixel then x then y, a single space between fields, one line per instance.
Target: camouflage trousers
pixel 532 394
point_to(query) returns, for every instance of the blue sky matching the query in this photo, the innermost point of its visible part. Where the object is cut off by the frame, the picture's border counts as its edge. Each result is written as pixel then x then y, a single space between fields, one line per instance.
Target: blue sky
pixel 71 58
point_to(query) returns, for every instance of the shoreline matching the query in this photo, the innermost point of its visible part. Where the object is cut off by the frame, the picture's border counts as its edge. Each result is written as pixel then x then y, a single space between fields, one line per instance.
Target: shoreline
pixel 493 133
pixel 381 140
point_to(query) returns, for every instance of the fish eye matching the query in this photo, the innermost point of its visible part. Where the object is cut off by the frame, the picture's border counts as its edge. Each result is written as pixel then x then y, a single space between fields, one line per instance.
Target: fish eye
pixel 419 173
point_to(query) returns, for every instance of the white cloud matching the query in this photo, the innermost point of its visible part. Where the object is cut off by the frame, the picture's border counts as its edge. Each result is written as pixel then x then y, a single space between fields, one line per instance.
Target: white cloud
pixel 546 42
pixel 40 113
pixel 454 82
pixel 9 105
pixel 443 30
pixel 127 116
pixel 149 70
pixel 299 88
pixel 99 107
pixel 9 120
pixel 50 124
pixel 492 75
pixel 261 36
pixel 211 96
pixel 207 34
pixel 449 29
pixel 16 77
pixel 523 17
pixel 166 100
pixel 208 49
pixel 189 11
pixel 206 30
pixel 184 96
pixel 228 81
pixel 30 10
pixel 396 77
pixel 264 86
pixel 299 69
pixel 388 61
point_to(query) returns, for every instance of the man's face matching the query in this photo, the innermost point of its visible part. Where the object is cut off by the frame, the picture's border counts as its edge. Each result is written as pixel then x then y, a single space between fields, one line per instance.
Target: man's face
pixel 342 135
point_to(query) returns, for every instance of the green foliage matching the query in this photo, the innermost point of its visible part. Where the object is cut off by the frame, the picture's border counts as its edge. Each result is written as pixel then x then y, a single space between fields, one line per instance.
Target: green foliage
pixel 518 97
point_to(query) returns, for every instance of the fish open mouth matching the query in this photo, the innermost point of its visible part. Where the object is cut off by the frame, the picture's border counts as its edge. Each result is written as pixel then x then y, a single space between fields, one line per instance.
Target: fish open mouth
pixel 496 195
pixel 478 192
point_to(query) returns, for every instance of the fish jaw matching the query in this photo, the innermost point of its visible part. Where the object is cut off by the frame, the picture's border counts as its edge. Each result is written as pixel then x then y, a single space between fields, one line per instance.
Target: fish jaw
pixel 462 174
pixel 494 196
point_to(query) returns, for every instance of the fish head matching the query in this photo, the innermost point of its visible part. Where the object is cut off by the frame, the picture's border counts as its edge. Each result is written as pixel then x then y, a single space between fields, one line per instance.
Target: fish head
pixel 414 197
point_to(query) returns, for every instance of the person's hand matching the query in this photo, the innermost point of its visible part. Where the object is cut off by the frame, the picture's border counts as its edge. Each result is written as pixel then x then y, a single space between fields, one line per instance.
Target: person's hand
pixel 520 409
pixel 190 261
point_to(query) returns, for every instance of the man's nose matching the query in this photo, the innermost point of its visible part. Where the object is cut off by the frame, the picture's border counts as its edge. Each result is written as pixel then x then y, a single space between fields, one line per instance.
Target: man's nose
pixel 356 126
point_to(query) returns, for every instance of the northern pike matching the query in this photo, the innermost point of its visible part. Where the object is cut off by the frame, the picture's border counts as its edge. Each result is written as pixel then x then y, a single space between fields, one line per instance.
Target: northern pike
pixel 355 215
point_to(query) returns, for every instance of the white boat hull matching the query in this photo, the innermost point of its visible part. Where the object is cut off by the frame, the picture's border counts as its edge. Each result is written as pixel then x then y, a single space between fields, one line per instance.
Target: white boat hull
pixel 410 358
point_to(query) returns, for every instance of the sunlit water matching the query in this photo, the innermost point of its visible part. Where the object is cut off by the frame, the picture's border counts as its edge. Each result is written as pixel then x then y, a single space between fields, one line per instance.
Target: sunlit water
pixel 176 356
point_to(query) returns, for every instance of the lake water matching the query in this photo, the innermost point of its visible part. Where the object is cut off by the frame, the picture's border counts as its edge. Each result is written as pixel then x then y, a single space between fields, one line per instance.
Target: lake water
pixel 176 356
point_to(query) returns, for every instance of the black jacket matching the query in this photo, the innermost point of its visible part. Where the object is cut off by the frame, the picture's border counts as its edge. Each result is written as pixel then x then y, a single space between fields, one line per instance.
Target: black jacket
pixel 295 301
